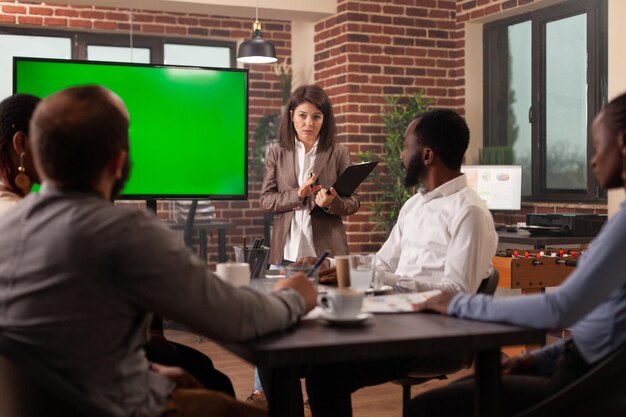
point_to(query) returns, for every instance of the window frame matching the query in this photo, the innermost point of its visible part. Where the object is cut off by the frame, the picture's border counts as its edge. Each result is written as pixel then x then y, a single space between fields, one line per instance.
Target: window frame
pixel 156 44
pixel 597 81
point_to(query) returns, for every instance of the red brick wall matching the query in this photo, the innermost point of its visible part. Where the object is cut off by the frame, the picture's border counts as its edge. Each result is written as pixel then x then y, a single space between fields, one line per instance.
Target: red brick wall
pixel 371 49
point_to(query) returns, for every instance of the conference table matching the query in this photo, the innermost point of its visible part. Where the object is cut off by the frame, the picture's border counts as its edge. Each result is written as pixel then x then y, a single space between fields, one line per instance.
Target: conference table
pixel 386 336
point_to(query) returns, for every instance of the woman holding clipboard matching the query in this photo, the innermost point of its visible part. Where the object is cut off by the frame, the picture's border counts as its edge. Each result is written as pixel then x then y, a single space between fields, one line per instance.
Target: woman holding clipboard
pixel 298 169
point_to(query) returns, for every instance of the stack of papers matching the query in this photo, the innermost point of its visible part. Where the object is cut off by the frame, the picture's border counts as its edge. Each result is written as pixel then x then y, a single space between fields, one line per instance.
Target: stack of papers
pixel 397 303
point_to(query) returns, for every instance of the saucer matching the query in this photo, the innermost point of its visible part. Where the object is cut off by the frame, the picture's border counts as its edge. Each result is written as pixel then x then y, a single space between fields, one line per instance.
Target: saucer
pixel 383 289
pixel 348 321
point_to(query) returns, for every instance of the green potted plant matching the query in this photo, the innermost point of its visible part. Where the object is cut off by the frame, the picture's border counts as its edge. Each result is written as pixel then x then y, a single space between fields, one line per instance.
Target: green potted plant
pixel 264 136
pixel 399 111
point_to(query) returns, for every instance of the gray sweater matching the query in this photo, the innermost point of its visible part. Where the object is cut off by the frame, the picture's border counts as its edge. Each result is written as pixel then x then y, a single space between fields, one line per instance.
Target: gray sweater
pixel 79 278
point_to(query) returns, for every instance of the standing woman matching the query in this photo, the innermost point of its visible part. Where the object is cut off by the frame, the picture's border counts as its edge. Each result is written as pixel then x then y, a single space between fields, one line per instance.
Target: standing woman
pixel 17 171
pixel 298 173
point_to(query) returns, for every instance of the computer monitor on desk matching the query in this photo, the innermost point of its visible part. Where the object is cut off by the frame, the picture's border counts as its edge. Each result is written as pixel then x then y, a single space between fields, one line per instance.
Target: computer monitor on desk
pixel 500 186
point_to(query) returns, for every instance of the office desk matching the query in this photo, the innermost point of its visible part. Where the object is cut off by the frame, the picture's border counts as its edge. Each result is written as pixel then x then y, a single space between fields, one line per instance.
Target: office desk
pixel 523 237
pixel 386 336
pixel 203 227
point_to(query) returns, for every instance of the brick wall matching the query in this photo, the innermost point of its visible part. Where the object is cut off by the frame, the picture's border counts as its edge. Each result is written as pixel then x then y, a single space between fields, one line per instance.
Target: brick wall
pixel 373 48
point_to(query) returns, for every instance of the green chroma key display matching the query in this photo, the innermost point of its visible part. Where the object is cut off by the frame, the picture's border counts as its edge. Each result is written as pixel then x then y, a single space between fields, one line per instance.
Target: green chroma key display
pixel 188 125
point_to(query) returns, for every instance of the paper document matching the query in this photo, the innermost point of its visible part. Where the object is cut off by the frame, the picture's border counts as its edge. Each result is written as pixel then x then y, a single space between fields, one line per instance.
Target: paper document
pixel 397 303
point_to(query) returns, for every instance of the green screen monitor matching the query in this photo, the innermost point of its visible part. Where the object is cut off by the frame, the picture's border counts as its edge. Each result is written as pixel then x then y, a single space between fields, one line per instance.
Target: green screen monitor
pixel 188 125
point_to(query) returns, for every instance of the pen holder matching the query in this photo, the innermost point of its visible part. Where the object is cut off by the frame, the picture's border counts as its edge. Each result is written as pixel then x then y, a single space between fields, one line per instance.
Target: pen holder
pixel 255 257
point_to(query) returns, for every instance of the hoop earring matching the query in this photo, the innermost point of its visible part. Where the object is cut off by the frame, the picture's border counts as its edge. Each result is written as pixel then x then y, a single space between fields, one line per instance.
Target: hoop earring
pixel 22 181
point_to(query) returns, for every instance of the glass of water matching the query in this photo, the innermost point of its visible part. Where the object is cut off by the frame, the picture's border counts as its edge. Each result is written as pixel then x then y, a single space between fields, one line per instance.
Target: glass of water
pixel 361 271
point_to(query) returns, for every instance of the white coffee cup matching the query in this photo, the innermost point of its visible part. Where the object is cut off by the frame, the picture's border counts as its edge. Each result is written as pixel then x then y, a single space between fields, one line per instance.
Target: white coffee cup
pixel 342 303
pixel 235 273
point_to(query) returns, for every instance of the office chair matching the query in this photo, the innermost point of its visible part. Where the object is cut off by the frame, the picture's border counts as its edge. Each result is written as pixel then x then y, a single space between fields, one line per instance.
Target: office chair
pixel 29 388
pixel 487 286
pixel 599 392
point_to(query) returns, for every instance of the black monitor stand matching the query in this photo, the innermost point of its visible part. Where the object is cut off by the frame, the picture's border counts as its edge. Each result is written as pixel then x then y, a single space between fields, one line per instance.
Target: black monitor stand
pixel 151 204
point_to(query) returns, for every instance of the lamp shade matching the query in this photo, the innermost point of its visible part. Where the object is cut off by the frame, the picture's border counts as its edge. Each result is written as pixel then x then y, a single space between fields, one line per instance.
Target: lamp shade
pixel 257 50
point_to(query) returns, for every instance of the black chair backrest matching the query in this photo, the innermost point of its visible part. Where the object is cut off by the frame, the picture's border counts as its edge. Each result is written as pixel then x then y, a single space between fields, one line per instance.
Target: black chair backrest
pixel 490 284
pixel 600 392
pixel 29 388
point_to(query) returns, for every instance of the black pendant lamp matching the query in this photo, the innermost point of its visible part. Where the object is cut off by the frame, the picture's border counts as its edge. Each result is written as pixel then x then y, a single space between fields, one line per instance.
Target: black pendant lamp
pixel 257 50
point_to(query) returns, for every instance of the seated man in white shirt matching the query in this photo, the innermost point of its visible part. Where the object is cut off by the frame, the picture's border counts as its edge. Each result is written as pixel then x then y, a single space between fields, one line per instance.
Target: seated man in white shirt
pixel 444 239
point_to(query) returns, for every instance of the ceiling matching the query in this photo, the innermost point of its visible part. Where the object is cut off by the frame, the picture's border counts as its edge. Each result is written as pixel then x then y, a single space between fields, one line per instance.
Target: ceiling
pixel 295 10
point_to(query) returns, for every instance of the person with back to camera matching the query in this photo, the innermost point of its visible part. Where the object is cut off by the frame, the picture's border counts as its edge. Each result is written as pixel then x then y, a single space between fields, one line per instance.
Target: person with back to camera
pixel 15 152
pixel 74 266
pixel 592 302
pixel 16 165
pixel 299 170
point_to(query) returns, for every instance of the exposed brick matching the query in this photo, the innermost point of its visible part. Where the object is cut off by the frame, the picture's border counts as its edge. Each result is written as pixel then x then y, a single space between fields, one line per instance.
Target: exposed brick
pixel 393 10
pixel 126 26
pixel 66 12
pixel 494 8
pixel 198 31
pixel 143 18
pixel 13 9
pixel 5 18
pixel 385 20
pixel 29 20
pixel 417 11
pixel 170 20
pixel 440 34
pixel 176 30
pixel 40 11
pixel 403 41
pixel 91 14
pixel 54 21
pixel 122 17
pixel 105 25
pixel 509 4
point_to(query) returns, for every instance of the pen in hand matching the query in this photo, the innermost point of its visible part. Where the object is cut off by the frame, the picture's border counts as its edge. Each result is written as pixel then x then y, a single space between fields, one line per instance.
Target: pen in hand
pixel 318 263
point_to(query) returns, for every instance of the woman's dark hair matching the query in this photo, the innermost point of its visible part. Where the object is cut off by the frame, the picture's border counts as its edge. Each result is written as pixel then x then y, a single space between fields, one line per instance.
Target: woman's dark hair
pixel 616 112
pixel 317 97
pixel 15 114
pixel 445 132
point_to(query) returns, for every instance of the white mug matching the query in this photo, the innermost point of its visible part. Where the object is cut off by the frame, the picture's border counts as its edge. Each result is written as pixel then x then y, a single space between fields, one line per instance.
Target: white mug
pixel 342 303
pixel 235 273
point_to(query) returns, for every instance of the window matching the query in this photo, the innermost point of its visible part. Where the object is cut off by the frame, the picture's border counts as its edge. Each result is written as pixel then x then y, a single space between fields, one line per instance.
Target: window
pixel 43 43
pixel 31 46
pixel 545 79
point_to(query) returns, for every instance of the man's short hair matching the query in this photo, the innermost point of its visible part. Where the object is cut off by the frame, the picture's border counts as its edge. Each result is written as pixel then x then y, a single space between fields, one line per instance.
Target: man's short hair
pixel 446 132
pixel 75 133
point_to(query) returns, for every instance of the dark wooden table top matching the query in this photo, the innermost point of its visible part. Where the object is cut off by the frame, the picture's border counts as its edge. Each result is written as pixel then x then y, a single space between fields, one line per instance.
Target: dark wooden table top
pixel 384 335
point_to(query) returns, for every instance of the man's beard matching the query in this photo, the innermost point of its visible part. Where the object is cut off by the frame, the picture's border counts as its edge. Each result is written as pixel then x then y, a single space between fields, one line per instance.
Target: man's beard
pixel 414 171
pixel 119 184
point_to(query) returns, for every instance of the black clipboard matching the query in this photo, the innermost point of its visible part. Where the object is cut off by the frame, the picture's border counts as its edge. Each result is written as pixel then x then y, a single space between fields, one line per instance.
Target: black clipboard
pixel 349 180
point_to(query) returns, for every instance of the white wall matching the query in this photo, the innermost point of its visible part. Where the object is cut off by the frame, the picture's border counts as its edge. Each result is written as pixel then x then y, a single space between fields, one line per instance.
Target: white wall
pixel 302 10
pixel 617 72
